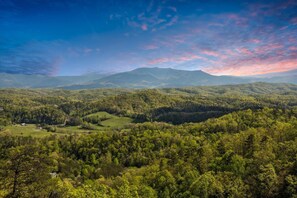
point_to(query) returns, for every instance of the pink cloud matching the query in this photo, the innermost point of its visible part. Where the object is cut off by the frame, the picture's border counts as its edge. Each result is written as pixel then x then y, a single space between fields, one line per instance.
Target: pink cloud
pixel 218 55
pixel 230 52
pixel 233 16
pixel 210 53
pixel 254 68
pixel 239 20
pixel 144 27
pixel 171 22
pixel 159 61
pixel 154 18
pixel 180 38
pixel 196 30
pixel 264 49
pixel 256 41
pixel 150 47
pixel 188 57
pixel 245 51
pixel 273 57
pixel 284 27
pixel 292 40
pixel 293 48
pixel 172 41
pixel 180 59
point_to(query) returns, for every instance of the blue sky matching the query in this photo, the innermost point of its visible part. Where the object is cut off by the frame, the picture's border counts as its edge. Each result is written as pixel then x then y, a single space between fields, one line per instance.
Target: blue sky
pixel 58 37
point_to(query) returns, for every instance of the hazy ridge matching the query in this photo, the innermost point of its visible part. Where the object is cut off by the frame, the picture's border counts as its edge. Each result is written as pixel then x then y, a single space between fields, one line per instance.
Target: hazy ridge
pixel 139 78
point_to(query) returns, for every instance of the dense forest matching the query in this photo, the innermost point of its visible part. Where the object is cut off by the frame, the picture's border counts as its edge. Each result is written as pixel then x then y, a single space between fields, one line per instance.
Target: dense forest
pixel 218 141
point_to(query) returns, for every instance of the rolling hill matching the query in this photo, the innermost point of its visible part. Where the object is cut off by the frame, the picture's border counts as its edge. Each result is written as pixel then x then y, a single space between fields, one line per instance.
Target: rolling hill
pixel 139 78
pixel 40 81
pixel 159 77
pixel 278 77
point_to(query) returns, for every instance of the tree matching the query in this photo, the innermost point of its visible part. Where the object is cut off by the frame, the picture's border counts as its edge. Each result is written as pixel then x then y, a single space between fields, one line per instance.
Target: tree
pixel 249 146
pixel 267 181
pixel 207 186
pixel 26 170
pixel 165 183
pixel 74 121
pixel 291 186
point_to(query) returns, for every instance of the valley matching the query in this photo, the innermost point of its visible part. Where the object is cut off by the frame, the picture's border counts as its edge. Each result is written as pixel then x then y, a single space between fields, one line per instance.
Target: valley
pixel 164 142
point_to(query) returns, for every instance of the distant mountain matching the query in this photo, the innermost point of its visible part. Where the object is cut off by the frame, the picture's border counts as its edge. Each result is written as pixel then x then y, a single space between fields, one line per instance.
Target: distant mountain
pixel 139 78
pixel 278 74
pixel 283 79
pixel 159 77
pixel 277 77
pixel 40 81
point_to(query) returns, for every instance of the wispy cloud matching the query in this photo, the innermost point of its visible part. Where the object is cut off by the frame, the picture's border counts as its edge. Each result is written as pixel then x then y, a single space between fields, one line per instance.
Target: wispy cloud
pixel 255 68
pixel 32 58
pixel 144 27
pixel 262 59
pixel 224 38
pixel 241 43
pixel 210 53
pixel 155 17
pixel 26 64
pixel 150 47
pixel 179 59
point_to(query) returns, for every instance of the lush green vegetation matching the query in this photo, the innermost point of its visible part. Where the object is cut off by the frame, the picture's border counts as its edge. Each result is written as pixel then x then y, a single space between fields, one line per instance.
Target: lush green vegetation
pixel 228 141
pixel 104 119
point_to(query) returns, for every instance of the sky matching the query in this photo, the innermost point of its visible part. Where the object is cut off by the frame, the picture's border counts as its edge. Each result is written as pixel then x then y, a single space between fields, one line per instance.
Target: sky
pixel 77 37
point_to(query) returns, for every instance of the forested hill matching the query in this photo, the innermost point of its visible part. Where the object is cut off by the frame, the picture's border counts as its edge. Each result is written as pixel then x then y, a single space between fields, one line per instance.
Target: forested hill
pixel 160 77
pixel 221 141
pixel 138 78
pixel 176 105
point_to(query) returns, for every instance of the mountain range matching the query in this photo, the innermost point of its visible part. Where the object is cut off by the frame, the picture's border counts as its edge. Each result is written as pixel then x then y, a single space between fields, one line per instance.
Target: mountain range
pixel 139 78
pixel 41 81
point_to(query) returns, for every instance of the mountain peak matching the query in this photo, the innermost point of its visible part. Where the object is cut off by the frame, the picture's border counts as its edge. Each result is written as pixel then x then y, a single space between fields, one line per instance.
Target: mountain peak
pixel 145 77
pixel 164 69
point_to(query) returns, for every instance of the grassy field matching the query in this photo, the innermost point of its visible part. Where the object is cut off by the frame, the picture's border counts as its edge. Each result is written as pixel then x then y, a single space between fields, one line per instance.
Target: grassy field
pixel 34 131
pixel 110 122
pixel 28 130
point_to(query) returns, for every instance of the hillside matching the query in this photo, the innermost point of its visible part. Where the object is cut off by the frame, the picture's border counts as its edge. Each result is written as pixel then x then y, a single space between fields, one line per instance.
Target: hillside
pixel 41 81
pixel 174 105
pixel 139 78
pixel 148 142
pixel 159 77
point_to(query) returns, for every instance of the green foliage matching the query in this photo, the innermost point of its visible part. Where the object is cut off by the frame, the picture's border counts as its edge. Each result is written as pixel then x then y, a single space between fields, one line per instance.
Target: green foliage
pixel 207 186
pixel 74 121
pixel 87 126
pixel 26 169
pixel 161 160
pixel 291 186
pixel 177 106
pixel 246 148
pixel 268 181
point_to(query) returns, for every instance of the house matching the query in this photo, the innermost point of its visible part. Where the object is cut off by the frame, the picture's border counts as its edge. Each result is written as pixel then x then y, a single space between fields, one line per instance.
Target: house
pixel 53 175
